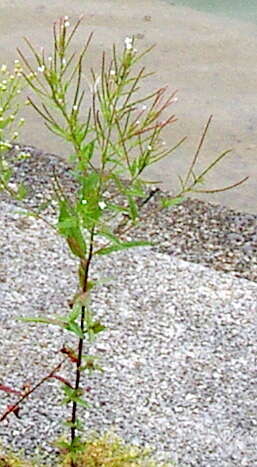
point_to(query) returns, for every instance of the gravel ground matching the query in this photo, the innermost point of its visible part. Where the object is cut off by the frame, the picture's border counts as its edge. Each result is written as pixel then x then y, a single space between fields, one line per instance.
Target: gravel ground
pixel 195 231
pixel 180 350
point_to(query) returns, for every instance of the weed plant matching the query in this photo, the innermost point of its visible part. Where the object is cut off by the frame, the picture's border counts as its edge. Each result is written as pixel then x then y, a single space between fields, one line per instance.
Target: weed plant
pixel 115 134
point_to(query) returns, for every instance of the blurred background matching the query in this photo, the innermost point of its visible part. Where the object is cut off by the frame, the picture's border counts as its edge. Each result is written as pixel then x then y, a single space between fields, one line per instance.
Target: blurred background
pixel 206 50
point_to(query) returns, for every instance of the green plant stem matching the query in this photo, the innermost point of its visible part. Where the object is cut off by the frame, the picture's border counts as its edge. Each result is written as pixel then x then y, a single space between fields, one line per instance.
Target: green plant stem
pixel 81 340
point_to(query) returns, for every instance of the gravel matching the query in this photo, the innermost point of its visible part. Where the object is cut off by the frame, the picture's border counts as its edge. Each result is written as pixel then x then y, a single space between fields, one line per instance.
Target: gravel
pixel 179 352
pixel 195 231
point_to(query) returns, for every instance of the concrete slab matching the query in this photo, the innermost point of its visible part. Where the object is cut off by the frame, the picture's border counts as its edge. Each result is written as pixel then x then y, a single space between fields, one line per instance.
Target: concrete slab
pixel 210 60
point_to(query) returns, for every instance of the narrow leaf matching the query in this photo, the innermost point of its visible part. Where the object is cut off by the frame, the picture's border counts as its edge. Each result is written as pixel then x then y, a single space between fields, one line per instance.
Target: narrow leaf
pixel 168 202
pixel 56 322
pixel 122 246
pixel 74 327
pixel 82 402
pixel 96 327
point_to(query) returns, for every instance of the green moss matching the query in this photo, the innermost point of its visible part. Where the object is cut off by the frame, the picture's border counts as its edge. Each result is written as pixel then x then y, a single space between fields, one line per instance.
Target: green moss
pixel 98 451
pixel 8 459
pixel 111 451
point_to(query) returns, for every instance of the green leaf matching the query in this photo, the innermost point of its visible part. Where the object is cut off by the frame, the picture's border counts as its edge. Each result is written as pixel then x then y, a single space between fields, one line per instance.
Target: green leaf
pixel 56 129
pixel 133 167
pixel 63 445
pixel 5 122
pixel 72 447
pixel 168 202
pixel 82 275
pixel 6 174
pixel 90 185
pixel 78 425
pixel 56 322
pixel 74 314
pixel 81 133
pixel 68 391
pixel 88 150
pixel 82 402
pixel 91 284
pixel 73 395
pixel 133 209
pixel 21 193
pixel 137 189
pixel 77 244
pixel 119 183
pixel 96 327
pixel 88 205
pixel 75 328
pixel 67 323
pixel 84 155
pixel 70 394
pixel 109 236
pixel 91 364
pixel 118 208
pixel 68 226
pixel 122 246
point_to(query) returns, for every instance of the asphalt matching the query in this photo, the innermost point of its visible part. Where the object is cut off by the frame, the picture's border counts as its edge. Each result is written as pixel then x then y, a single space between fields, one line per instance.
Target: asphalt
pixel 210 61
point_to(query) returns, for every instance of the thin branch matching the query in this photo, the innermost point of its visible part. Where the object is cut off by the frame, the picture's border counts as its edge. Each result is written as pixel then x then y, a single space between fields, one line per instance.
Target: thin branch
pixel 217 190
pixel 29 392
pixel 198 149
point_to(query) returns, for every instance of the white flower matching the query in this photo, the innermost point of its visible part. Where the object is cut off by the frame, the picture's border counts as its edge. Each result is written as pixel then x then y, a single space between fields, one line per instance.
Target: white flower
pixel 63 61
pixel 102 204
pixel 149 147
pixel 50 59
pixel 41 68
pixel 66 24
pixel 3 68
pixel 112 73
pixel 128 43
pixel 13 186
pixel 144 107
pixel 75 107
pixel 84 201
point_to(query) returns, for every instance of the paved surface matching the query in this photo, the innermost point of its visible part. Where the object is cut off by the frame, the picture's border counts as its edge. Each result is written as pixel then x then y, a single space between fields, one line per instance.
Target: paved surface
pixel 211 61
